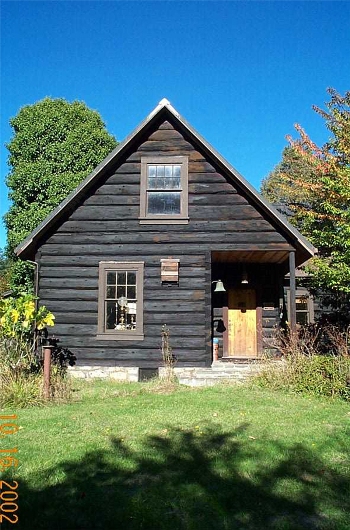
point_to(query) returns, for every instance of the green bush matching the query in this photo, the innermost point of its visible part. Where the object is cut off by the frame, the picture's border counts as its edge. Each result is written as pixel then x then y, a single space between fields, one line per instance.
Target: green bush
pixel 312 362
pixel 319 375
pixel 20 390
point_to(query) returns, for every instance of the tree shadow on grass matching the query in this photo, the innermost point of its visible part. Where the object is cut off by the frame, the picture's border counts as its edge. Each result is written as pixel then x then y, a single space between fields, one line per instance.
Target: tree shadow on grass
pixel 191 481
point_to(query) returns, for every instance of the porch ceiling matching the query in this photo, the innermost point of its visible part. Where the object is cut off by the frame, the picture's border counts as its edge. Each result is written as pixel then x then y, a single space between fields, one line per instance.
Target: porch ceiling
pixel 250 256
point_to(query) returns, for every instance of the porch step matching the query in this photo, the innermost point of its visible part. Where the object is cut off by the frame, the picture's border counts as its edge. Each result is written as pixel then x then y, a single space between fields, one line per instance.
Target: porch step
pixel 232 366
pixel 236 360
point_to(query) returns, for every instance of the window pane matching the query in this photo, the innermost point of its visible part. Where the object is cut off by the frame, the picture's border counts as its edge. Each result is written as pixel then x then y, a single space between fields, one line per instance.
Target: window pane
pixel 132 308
pixel 301 303
pixel 302 318
pixel 111 278
pixel 168 177
pixel 152 171
pixel 130 321
pixel 160 171
pixel 131 278
pixel 164 203
pixel 126 318
pixel 152 183
pixel 175 183
pixel 168 171
pixel 121 291
pixel 156 183
pixel 132 292
pixel 177 171
pixel 161 183
pixel 110 315
pixel 121 278
pixel 110 291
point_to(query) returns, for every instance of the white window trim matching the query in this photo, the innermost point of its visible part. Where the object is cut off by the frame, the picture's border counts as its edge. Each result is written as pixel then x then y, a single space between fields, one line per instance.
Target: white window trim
pixel 181 218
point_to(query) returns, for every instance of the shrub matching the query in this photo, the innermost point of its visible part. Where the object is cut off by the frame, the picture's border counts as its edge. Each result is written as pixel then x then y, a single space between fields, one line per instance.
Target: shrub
pixel 21 366
pixel 19 390
pixel 314 361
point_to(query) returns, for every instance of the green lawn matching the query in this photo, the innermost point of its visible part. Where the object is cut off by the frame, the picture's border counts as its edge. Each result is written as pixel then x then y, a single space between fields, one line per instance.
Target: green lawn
pixel 227 457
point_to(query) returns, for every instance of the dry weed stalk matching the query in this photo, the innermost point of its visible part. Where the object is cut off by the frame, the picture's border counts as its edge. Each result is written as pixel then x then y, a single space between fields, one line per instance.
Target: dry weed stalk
pixel 169 358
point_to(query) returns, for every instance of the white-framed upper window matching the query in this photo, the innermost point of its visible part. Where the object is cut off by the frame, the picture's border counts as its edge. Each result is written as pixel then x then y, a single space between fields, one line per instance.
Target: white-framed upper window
pixel 120 300
pixel 164 190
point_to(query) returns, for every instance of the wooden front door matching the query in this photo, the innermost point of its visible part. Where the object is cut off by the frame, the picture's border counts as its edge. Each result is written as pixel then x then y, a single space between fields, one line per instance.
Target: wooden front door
pixel 242 328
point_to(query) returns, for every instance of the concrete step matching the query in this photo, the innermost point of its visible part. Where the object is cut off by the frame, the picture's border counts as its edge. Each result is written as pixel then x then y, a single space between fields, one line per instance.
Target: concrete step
pixel 233 367
pixel 217 373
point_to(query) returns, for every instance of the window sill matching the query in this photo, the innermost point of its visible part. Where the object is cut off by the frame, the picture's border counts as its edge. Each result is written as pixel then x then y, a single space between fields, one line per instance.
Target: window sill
pixel 163 221
pixel 120 336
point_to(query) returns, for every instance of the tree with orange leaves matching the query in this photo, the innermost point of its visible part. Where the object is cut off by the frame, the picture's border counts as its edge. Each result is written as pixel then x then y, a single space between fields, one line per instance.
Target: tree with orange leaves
pixel 313 183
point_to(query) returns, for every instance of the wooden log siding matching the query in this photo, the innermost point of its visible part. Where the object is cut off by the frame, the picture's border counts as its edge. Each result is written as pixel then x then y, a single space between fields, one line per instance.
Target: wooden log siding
pixel 105 227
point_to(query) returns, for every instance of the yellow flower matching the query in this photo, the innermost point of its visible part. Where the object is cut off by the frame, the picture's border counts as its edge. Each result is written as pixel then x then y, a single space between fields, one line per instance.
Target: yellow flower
pixel 14 315
pixel 49 319
pixel 29 308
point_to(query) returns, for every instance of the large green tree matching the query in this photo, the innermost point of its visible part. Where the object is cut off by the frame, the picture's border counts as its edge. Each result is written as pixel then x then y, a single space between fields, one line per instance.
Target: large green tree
pixel 314 184
pixel 55 145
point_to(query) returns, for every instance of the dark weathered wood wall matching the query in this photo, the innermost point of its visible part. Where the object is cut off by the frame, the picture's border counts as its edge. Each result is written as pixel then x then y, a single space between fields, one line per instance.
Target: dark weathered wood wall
pixel 106 227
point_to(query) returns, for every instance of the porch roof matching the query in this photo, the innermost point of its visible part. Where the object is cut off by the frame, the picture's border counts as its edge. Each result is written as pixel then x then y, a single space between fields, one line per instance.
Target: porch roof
pixel 251 256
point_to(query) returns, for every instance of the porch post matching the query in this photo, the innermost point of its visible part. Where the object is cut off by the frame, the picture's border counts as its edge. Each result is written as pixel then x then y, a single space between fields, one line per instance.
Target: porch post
pixel 292 316
pixel 208 311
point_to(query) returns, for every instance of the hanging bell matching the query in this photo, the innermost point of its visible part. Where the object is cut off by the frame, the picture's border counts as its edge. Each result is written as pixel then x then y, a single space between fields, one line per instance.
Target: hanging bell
pixel 219 288
pixel 220 328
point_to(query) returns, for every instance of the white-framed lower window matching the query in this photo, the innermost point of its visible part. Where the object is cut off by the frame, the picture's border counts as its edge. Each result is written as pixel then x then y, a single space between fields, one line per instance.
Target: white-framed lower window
pixel 120 300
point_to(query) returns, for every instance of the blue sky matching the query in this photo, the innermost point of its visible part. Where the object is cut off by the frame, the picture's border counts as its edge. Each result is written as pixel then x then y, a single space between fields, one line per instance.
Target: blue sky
pixel 242 73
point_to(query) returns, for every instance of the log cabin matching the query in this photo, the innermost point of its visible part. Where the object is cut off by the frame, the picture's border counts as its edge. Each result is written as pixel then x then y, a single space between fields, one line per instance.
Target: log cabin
pixel 165 231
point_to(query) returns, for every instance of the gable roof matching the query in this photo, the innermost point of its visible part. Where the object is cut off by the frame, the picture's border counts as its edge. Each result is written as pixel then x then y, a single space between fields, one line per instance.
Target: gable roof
pixel 27 248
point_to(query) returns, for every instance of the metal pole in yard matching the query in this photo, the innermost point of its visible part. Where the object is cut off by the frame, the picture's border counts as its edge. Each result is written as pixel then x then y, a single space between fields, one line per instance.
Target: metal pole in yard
pixel 47 370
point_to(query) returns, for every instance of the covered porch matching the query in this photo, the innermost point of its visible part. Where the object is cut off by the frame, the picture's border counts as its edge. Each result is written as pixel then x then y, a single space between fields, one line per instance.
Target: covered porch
pixel 247 302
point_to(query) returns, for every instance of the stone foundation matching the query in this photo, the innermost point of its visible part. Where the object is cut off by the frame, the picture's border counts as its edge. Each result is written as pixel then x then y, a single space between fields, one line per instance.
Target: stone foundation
pixel 218 372
pixel 129 374
pixel 190 376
